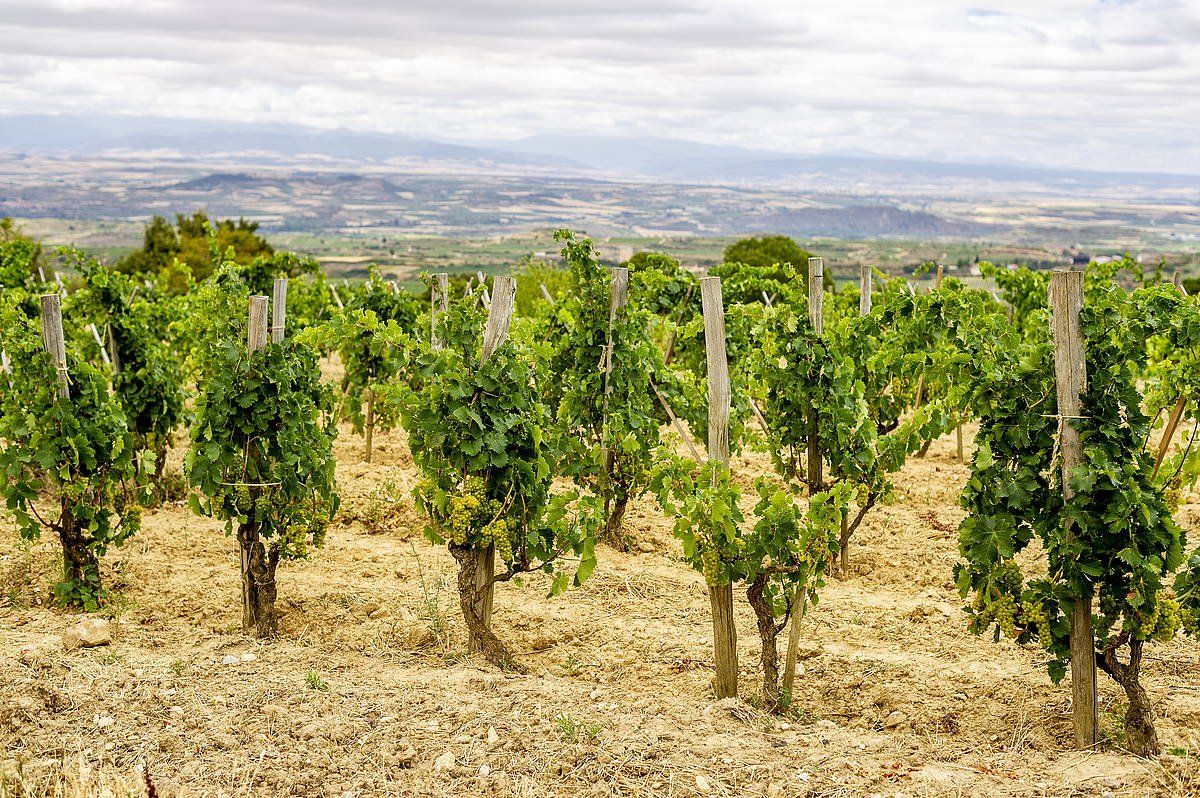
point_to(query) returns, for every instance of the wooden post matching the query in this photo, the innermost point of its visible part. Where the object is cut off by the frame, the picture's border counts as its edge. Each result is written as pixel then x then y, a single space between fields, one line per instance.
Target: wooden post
pixel 618 296
pixel 816 318
pixel 52 339
pixel 1070 372
pixel 937 279
pixel 864 289
pixel 499 316
pixel 256 330
pixel 337 300
pixel 1178 280
pixel 279 309
pixel 62 289
pixel 719 400
pixel 100 343
pixel 494 334
pixel 546 295
pixel 439 303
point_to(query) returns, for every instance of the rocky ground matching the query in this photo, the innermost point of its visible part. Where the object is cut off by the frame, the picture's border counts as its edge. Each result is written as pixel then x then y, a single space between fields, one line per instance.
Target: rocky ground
pixel 368 690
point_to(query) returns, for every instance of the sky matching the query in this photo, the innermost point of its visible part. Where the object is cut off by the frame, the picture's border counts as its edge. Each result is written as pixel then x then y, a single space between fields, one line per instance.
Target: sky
pixel 1113 84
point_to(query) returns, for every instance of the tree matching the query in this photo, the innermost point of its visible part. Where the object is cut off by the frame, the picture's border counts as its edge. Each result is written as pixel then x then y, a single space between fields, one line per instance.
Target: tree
pixel 192 241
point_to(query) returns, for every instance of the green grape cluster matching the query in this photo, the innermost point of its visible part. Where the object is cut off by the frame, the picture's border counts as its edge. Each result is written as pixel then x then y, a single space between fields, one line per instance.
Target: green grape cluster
pixel 1001 611
pixel 463 512
pixel 1190 620
pixel 1163 622
pixel 710 565
pixel 1173 496
pixel 498 532
pixel 243 501
pixel 1034 617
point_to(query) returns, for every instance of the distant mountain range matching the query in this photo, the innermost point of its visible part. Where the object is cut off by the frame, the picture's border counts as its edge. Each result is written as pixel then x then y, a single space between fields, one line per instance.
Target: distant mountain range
pixel 569 154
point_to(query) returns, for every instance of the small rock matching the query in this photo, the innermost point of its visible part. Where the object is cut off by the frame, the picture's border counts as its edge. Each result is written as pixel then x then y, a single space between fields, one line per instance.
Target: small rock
pixel 248 657
pixel 894 719
pixel 87 633
pixel 492 736
pixel 645 547
pixel 703 784
pixel 375 615
pixel 231 659
pixel 103 721
pixel 444 762
pixel 484 770
pixel 176 710
pixel 405 757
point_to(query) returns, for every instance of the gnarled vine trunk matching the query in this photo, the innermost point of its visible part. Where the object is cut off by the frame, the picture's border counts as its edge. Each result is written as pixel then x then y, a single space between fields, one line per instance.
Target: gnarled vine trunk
pixel 614 522
pixel 259 592
pixel 1140 736
pixel 81 567
pixel 469 595
pixel 768 632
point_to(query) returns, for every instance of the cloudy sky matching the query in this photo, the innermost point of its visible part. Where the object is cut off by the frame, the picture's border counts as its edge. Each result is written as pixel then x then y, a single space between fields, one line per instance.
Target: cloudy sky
pixel 1111 84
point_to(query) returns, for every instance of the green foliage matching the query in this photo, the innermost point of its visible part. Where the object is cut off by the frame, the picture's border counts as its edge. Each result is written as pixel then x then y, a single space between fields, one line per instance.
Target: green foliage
pixel 1124 542
pixel 76 452
pixel 20 259
pixel 262 446
pixel 477 430
pixel 608 441
pixel 816 389
pixel 531 274
pixel 148 377
pixel 369 360
pixel 1024 289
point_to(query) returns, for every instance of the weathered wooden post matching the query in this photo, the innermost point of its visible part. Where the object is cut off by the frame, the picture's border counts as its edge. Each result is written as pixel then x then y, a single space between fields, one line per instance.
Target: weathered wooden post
pixel 618 296
pixel 864 289
pixel 279 309
pixel 719 400
pixel 52 339
pixel 439 303
pixel 494 334
pixel 1070 372
pixel 816 318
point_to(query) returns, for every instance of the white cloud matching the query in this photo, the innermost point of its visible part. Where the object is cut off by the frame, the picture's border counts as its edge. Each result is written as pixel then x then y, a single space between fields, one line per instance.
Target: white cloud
pixel 1066 82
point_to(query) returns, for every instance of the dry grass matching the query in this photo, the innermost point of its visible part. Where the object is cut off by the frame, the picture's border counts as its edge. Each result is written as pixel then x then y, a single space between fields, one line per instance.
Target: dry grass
pixel 369 684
